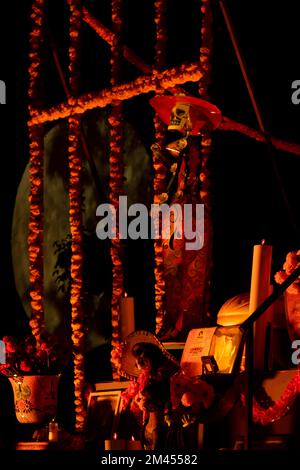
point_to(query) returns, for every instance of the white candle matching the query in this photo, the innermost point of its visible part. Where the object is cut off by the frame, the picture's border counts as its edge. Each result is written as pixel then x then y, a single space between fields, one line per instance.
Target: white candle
pixel 127 323
pixel 260 290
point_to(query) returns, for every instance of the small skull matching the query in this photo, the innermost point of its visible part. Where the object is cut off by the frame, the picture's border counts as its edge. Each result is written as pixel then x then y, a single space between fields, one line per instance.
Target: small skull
pixel 180 118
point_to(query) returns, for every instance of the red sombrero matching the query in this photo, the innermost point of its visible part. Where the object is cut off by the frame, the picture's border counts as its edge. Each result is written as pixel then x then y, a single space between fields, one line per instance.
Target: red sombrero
pixel 202 113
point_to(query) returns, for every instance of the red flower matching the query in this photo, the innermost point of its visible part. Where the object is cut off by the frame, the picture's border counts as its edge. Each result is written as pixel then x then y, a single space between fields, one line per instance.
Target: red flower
pixel 10 345
pixel 291 262
pixel 25 358
pixel 45 347
pixel 25 366
pixel 3 368
pixel 29 349
pixel 188 399
pixel 42 355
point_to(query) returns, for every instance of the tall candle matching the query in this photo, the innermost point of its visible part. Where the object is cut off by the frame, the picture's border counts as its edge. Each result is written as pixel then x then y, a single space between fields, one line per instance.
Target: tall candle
pixel 260 290
pixel 127 323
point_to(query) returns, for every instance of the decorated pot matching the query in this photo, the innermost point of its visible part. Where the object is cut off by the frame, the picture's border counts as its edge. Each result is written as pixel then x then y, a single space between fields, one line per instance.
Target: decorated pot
pixel 35 397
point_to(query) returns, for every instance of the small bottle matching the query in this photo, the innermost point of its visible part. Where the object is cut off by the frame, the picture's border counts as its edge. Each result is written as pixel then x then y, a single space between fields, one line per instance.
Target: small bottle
pixel 53 431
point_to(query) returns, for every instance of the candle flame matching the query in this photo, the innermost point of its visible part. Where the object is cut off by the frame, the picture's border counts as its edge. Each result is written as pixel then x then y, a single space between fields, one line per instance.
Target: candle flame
pixel 125 295
pixel 115 436
pixel 263 242
pixel 132 438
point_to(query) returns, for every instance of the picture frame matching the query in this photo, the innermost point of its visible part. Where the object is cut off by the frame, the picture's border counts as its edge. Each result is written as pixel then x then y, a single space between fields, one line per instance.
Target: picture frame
pixel 104 410
pixel 103 415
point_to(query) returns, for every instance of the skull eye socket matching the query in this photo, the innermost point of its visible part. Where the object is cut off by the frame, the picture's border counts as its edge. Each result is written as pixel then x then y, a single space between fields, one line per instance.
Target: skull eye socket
pixel 180 112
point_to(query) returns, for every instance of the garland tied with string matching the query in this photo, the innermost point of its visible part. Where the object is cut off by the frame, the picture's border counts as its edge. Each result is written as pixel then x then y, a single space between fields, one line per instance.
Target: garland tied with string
pixel 75 219
pixel 36 177
pixel 206 139
pixel 159 185
pixel 116 180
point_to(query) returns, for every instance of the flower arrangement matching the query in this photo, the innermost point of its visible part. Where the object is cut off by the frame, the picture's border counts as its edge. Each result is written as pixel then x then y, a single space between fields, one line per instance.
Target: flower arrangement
pixel 36 173
pixel 192 393
pixel 291 263
pixel 27 358
pixel 292 294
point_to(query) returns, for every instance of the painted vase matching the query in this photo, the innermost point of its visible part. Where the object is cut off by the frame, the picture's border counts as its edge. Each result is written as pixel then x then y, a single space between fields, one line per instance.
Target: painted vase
pixel 35 397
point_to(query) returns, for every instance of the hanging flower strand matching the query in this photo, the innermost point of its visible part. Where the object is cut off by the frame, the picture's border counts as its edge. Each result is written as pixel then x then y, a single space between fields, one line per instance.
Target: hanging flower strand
pixel 116 186
pixel 36 169
pixel 280 408
pixel 159 168
pixel 75 218
pixel 206 139
pixel 204 82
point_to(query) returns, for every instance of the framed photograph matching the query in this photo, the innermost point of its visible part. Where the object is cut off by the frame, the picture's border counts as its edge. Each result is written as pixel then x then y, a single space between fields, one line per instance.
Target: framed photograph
pixel 103 415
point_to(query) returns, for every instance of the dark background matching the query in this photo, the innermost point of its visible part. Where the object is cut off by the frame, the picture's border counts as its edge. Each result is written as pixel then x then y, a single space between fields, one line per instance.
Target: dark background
pixel 246 197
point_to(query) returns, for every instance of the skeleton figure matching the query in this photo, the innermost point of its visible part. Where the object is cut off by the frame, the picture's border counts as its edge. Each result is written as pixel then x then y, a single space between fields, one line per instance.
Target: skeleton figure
pixel 180 118
pixel 184 270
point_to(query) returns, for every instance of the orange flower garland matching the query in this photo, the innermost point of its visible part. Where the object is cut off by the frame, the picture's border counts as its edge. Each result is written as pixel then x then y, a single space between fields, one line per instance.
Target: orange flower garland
pixel 267 415
pixel 36 170
pixel 75 217
pixel 98 27
pixel 108 36
pixel 159 168
pixel 144 84
pixel 206 141
pixel 161 35
pixel 116 187
pixel 205 57
pixel 281 407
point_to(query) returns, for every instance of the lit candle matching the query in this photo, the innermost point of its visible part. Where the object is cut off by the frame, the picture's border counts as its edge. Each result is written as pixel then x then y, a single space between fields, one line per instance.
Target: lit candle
pixel 127 323
pixel 53 432
pixel 115 443
pixel 260 290
pixel 133 444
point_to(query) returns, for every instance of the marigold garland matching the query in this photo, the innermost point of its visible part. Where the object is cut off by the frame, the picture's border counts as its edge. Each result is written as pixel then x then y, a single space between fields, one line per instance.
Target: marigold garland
pixel 292 261
pixel 99 28
pixel 265 416
pixel 206 140
pixel 143 84
pixel 204 82
pixel 108 36
pixel 116 186
pixel 159 168
pixel 160 7
pixel 75 218
pixel 36 170
pixel 160 289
